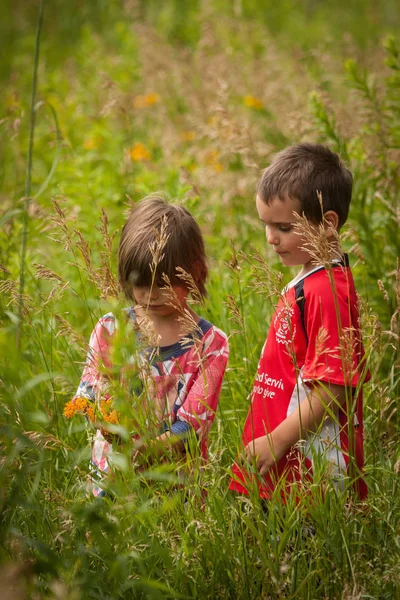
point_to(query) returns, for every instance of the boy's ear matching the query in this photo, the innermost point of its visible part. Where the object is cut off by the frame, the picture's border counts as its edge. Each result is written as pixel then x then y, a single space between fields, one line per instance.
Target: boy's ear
pixel 331 220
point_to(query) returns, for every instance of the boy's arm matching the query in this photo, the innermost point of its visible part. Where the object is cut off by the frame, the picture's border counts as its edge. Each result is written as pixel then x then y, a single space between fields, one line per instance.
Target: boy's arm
pixel 269 449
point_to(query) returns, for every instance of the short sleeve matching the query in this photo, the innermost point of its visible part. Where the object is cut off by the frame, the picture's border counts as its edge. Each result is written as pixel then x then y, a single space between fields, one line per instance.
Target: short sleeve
pixel 334 349
pixel 93 381
pixel 201 403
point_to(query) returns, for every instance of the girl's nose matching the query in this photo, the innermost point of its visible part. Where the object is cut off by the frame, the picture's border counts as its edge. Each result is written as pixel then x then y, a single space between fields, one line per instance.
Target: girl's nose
pixel 154 292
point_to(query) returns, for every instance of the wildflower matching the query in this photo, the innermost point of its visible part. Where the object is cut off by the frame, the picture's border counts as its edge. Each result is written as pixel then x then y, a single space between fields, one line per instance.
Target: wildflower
pixel 212 161
pixel 188 136
pixel 90 413
pixel 77 405
pixel 106 413
pixel 112 417
pixel 143 101
pixel 252 102
pixel 90 143
pixel 139 152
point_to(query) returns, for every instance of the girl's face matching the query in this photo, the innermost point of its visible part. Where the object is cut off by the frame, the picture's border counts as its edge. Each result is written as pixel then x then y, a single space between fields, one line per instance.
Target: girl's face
pixel 161 301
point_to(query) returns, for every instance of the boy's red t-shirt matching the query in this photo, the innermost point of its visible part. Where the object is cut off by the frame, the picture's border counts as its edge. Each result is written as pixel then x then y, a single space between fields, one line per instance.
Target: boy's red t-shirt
pixel 314 337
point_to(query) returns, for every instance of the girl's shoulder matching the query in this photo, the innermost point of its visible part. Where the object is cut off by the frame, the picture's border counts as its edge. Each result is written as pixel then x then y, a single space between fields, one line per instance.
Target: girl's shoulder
pixel 214 341
pixel 206 339
pixel 211 334
pixel 109 321
pixel 106 322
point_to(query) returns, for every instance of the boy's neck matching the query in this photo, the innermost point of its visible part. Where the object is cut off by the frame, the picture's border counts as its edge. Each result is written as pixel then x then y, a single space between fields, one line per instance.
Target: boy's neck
pixel 336 254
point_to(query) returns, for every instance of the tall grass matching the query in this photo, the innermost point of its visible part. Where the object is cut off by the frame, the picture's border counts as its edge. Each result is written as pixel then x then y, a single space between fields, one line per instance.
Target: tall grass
pixel 198 119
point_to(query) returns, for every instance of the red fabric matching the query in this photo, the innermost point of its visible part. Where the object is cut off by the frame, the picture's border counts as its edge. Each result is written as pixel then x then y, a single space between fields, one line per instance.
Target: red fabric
pixel 298 352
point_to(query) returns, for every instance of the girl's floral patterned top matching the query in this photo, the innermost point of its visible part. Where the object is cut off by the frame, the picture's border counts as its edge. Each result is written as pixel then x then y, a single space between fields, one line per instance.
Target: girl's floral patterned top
pixel 183 383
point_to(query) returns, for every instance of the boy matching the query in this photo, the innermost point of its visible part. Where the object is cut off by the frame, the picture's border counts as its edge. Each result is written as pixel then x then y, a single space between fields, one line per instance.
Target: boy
pixel 307 399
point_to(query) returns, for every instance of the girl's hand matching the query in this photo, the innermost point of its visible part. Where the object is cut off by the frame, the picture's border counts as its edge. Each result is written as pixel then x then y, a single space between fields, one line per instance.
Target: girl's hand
pixel 138 451
pixel 261 452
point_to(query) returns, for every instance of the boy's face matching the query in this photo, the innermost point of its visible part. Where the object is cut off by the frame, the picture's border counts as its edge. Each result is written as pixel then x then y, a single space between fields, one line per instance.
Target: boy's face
pixel 279 220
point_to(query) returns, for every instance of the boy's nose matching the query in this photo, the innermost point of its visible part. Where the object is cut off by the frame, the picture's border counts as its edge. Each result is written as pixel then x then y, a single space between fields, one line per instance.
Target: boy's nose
pixel 271 236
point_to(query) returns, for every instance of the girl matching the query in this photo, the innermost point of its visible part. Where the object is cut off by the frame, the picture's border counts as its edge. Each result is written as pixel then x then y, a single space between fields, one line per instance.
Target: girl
pixel 161 263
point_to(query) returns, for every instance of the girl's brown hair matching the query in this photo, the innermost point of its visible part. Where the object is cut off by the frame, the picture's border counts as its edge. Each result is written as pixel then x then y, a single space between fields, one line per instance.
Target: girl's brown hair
pixel 159 239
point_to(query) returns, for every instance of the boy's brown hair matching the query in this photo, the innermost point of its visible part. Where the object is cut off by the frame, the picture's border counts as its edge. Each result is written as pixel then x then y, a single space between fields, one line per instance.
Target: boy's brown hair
pixel 182 246
pixel 303 170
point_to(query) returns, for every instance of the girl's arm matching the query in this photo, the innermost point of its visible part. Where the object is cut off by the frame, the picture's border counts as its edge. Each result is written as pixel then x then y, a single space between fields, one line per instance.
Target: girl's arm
pixel 161 444
pixel 93 380
pixel 269 449
pixel 200 406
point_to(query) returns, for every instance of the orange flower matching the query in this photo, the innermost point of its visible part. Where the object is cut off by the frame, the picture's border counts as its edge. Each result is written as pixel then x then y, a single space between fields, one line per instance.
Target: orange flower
pixel 83 406
pixel 252 102
pixel 93 142
pixel 77 405
pixel 139 152
pixel 90 413
pixel 105 404
pixel 143 101
pixel 112 417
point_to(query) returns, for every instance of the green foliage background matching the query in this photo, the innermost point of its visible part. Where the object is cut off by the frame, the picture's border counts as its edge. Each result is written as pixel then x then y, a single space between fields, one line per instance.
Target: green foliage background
pixel 192 98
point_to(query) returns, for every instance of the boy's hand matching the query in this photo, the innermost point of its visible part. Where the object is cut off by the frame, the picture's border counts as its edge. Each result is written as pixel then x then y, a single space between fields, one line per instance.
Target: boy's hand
pixel 267 450
pixel 261 451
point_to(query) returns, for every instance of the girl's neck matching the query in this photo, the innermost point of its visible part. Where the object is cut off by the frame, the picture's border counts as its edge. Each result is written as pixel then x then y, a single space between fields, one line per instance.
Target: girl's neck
pixel 168 329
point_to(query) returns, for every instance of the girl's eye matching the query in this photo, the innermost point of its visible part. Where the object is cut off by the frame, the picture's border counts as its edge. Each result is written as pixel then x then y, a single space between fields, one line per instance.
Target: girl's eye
pixel 285 228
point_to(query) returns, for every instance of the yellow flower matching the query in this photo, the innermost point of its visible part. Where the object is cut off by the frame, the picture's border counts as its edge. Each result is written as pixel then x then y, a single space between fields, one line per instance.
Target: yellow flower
pixel 212 160
pixel 188 136
pixel 211 156
pixel 253 102
pixel 139 153
pixel 143 101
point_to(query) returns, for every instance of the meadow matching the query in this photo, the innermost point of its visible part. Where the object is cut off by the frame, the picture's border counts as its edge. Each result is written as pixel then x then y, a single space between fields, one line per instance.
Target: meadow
pixel 191 98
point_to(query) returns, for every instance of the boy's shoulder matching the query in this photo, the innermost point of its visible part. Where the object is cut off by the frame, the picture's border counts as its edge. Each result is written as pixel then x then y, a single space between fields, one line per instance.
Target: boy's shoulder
pixel 321 280
pixel 322 290
pixel 337 280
